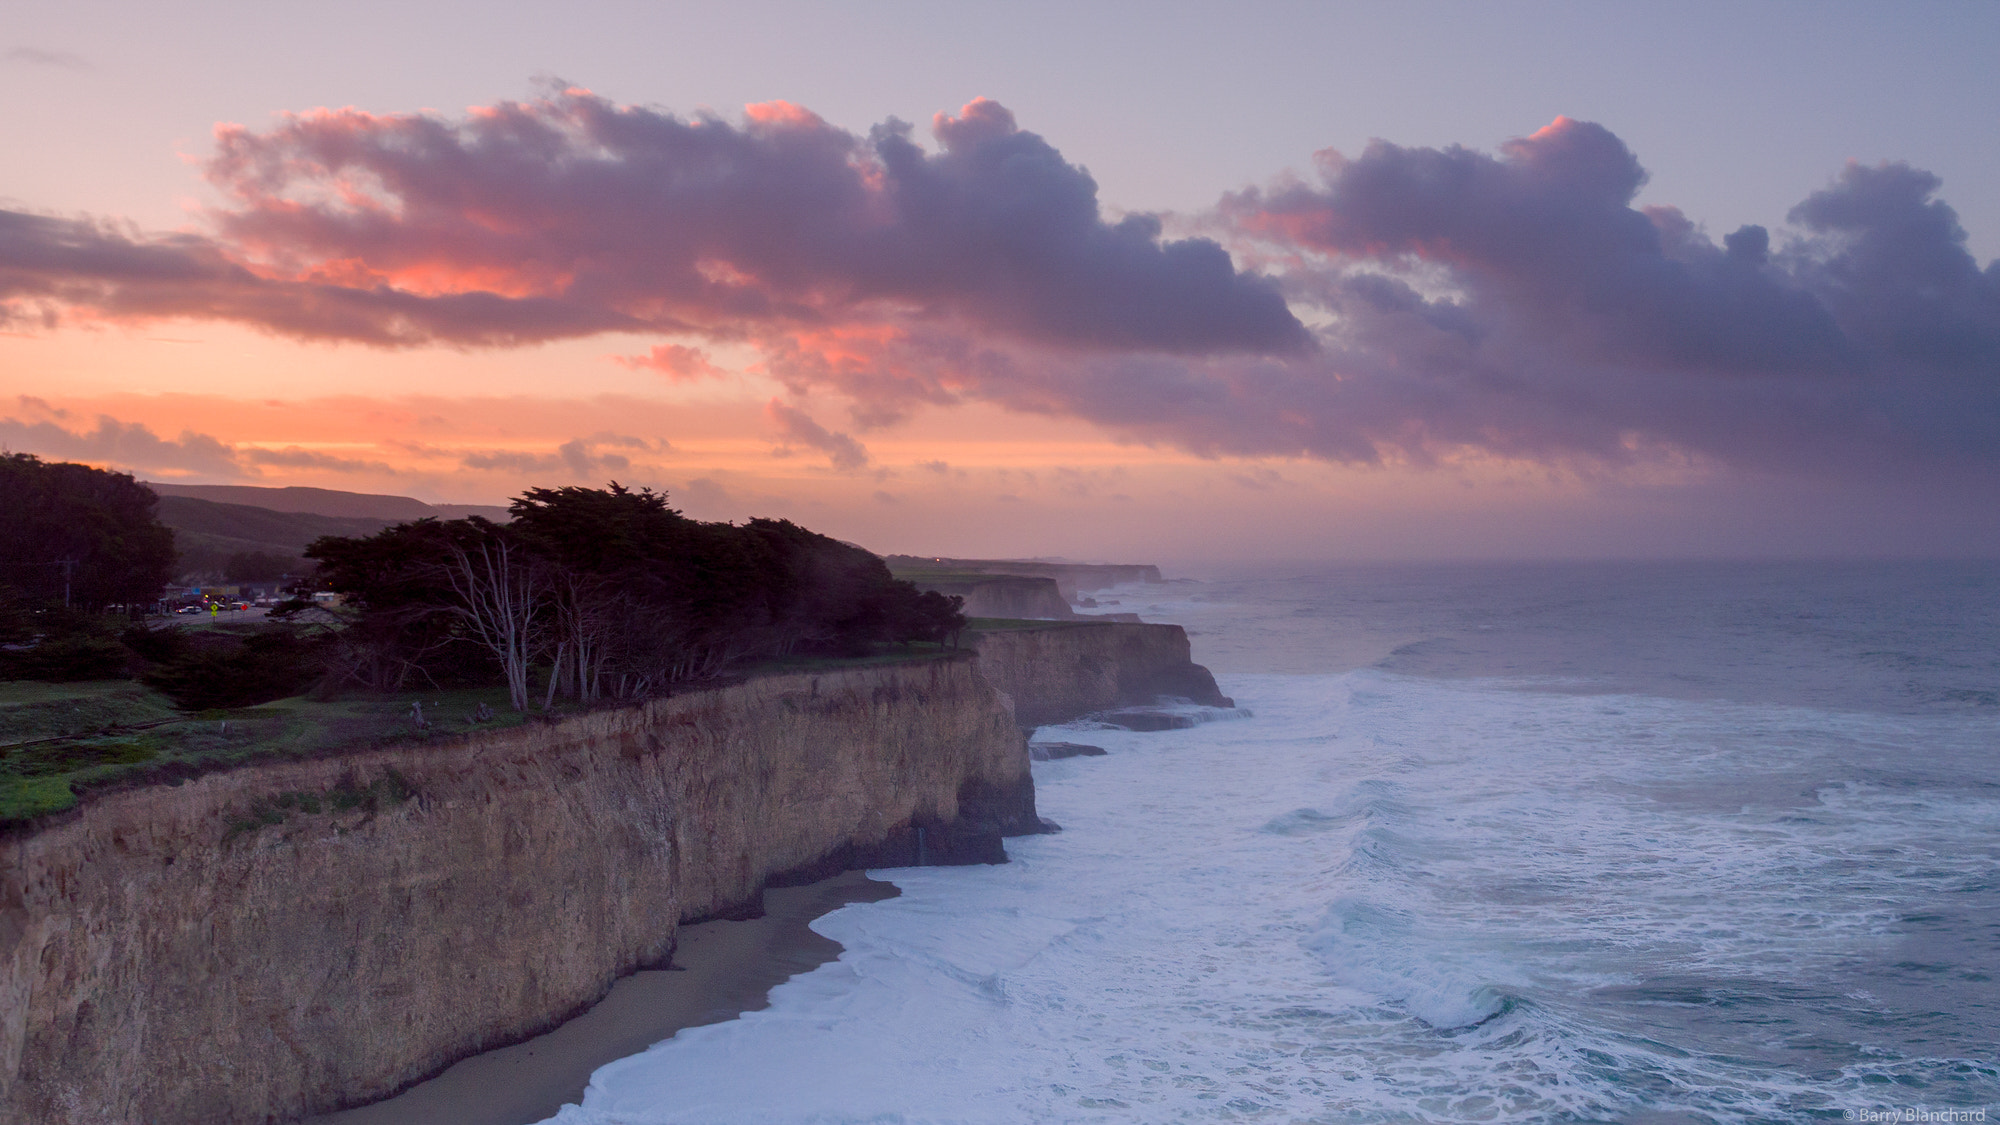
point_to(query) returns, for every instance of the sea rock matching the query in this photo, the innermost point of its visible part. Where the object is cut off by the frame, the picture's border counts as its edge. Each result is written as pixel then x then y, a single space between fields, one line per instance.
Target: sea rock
pixel 1054 751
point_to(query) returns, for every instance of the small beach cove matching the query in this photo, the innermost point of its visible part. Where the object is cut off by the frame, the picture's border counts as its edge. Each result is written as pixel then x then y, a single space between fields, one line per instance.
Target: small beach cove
pixel 721 969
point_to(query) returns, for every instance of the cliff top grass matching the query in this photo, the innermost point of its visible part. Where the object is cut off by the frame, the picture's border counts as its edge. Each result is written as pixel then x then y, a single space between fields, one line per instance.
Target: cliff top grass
pixel 32 711
pixel 120 733
pixel 60 741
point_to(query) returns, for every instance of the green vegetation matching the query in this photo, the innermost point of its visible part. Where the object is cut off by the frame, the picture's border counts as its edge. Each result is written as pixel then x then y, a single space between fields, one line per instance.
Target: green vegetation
pixel 46 775
pixel 619 594
pixel 32 711
pixel 77 537
pixel 243 543
pixel 348 795
pixel 27 798
pixel 450 626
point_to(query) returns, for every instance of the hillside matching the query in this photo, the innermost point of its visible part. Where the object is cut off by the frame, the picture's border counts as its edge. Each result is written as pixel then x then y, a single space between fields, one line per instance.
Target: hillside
pixel 211 522
pixel 206 532
pixel 329 502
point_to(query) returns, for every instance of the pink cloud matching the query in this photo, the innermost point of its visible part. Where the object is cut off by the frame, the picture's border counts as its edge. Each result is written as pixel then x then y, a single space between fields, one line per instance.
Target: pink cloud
pixel 796 427
pixel 676 362
pixel 1514 303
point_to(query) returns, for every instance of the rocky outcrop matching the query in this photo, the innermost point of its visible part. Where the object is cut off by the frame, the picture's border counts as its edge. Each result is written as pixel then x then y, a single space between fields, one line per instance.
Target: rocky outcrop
pixel 167 955
pixel 1059 672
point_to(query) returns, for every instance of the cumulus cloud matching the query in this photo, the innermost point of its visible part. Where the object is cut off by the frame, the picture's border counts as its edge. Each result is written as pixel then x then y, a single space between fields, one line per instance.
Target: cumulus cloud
pixel 569 215
pixel 1517 304
pixel 1520 303
pixel 293 457
pixel 582 458
pixel 676 361
pixel 796 427
pixel 54 268
pixel 1513 303
pixel 127 445
pixel 49 432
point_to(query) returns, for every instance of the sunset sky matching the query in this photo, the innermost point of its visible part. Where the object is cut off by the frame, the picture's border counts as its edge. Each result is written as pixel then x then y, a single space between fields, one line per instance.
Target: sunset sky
pixel 1164 282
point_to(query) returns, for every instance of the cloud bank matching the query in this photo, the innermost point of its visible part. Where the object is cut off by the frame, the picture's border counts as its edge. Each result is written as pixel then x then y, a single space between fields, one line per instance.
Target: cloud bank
pixel 1406 305
pixel 569 216
pixel 36 426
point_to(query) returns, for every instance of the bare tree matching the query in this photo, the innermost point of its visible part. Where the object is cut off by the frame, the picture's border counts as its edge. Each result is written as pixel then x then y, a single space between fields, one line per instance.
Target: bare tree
pixel 499 587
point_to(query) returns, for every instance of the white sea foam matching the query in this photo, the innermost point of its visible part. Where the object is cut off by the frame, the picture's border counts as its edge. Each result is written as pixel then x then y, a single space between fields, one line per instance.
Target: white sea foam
pixel 1389 897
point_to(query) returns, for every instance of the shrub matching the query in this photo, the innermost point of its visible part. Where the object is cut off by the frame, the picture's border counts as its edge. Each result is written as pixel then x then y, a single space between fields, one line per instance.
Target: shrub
pixel 157 645
pixel 225 672
pixel 69 659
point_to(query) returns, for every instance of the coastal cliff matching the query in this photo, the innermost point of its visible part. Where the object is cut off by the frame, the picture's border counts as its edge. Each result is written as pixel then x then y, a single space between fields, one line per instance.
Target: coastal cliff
pixel 1005 595
pixel 1059 672
pixel 287 938
pixel 165 956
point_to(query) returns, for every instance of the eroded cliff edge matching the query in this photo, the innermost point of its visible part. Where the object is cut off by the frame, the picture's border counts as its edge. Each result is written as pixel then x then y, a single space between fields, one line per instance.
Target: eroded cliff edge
pixel 161 962
pixel 1061 671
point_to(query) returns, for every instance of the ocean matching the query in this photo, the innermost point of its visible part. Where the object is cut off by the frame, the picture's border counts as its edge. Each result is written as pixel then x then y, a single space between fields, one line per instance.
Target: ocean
pixel 1653 843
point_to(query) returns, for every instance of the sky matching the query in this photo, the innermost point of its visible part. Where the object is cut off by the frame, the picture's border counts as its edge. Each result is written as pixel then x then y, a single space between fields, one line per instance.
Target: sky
pixel 1163 282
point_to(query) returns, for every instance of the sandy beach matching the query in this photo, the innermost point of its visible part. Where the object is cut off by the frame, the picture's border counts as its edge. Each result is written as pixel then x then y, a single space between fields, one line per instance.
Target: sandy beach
pixel 721 969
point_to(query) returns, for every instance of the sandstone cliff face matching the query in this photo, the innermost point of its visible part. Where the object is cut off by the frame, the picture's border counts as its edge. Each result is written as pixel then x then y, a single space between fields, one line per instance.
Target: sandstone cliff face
pixel 1062 672
pixel 161 963
pixel 156 968
pixel 1006 595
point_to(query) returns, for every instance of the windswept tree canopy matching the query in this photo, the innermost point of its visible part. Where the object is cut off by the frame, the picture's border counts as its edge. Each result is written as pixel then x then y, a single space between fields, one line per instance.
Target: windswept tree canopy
pixel 86 535
pixel 623 594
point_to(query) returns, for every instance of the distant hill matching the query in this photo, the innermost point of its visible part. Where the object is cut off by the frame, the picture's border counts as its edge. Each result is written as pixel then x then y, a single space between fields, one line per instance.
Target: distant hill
pixel 328 502
pixel 207 533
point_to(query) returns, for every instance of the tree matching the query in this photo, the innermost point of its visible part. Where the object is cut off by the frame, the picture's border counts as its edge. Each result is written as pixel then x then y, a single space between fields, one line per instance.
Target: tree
pixel 621 594
pixel 260 566
pixel 426 585
pixel 397 578
pixel 84 537
pixel 498 585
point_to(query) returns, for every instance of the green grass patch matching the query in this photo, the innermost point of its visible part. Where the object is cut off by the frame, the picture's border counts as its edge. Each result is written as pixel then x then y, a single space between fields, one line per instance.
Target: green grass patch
pixel 348 795
pixel 63 740
pixel 28 798
pixel 30 710
pixel 46 776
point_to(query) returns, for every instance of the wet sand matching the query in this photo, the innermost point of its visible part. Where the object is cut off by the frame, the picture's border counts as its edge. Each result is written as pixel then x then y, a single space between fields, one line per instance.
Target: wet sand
pixel 721 969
